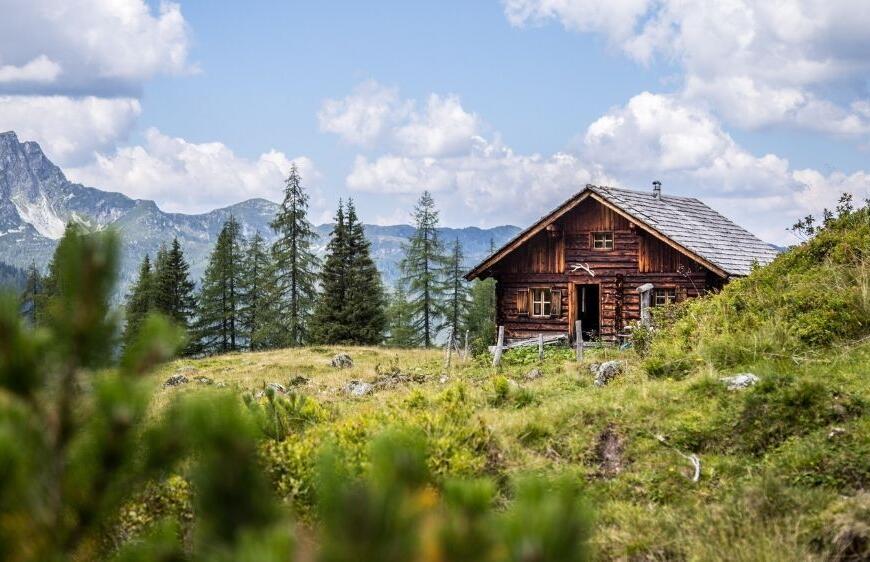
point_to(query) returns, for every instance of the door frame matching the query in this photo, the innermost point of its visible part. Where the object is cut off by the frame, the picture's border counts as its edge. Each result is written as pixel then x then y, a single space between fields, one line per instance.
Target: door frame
pixel 573 293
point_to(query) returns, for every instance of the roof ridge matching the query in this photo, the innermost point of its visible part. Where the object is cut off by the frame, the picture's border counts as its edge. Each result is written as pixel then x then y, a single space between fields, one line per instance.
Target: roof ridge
pixel 639 192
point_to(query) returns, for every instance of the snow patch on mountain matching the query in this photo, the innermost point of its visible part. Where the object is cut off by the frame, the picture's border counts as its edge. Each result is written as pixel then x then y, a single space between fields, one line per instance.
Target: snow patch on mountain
pixel 41 216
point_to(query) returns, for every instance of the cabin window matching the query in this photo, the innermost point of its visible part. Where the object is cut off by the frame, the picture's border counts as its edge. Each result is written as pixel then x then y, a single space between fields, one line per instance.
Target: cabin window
pixel 662 297
pixel 602 240
pixel 542 302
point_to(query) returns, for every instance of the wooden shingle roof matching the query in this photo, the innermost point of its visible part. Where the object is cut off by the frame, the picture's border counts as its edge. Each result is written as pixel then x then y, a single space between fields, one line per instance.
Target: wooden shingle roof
pixel 685 223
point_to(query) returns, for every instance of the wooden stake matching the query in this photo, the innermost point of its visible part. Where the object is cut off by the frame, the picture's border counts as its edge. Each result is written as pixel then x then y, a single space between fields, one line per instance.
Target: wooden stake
pixel 578 331
pixel 465 353
pixel 496 358
pixel 540 347
pixel 449 349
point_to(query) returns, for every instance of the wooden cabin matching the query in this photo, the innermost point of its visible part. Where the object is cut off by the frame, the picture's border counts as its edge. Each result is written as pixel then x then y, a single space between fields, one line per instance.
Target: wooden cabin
pixel 607 254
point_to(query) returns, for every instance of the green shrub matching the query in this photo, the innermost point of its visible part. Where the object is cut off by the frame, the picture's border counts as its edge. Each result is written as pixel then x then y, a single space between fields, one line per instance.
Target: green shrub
pixel 781 406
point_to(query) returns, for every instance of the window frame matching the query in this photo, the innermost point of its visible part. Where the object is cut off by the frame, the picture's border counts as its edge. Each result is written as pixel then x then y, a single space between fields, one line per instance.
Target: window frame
pixel 669 296
pixel 546 304
pixel 606 236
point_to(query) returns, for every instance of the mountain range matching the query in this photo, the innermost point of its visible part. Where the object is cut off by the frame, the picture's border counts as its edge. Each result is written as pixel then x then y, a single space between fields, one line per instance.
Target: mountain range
pixel 37 201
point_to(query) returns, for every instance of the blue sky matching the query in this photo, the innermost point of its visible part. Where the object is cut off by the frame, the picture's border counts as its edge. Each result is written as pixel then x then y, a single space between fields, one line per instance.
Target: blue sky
pixel 502 109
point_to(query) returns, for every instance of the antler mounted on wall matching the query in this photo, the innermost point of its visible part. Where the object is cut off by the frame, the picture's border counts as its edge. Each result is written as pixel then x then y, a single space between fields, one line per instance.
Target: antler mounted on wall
pixel 582 266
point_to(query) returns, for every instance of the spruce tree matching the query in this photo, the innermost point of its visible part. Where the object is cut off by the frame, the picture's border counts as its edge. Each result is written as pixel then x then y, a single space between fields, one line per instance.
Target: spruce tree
pixel 456 309
pixel 365 294
pixel 218 322
pixel 295 262
pixel 400 321
pixel 140 301
pixel 351 305
pixel 329 322
pixel 30 296
pixel 254 302
pixel 422 271
pixel 173 289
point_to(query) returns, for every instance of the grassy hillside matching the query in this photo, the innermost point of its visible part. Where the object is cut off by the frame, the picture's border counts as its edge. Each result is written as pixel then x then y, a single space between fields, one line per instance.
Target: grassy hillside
pixel 784 463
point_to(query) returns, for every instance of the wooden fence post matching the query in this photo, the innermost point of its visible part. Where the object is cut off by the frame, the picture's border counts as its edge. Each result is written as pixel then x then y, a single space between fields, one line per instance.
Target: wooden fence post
pixel 578 331
pixel 449 349
pixel 465 352
pixel 496 358
pixel 540 347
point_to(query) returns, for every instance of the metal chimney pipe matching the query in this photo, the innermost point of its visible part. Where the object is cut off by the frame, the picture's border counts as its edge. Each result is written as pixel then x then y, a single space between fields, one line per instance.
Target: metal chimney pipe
pixel 657 189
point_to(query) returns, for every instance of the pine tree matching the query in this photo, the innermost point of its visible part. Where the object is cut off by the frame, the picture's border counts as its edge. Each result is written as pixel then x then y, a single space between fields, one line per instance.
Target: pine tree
pixel 295 262
pixel 218 319
pixel 254 303
pixel 400 321
pixel 30 296
pixel 457 304
pixel 366 300
pixel 422 271
pixel 140 301
pixel 481 319
pixel 173 289
pixel 329 323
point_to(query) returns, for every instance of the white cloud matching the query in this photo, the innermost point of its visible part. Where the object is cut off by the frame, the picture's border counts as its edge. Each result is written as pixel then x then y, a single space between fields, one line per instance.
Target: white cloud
pixel 490 184
pixel 755 63
pixel 661 137
pixel 374 115
pixel 184 176
pixel 105 47
pixel 40 69
pixel 69 129
pixel 363 116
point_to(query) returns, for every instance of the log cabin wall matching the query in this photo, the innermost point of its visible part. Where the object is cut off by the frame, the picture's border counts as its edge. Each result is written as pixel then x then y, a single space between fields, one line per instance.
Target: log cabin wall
pixel 546 261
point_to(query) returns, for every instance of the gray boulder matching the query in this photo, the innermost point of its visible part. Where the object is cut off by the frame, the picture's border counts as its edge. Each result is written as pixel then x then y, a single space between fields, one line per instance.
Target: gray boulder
pixel 740 381
pixel 358 388
pixel 203 380
pixel 534 374
pixel 608 371
pixel 277 387
pixel 176 380
pixel 342 361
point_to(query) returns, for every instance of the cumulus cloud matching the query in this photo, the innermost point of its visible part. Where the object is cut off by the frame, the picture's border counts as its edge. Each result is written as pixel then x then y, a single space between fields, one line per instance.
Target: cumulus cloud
pixel 755 63
pixel 652 136
pixel 104 47
pixel 660 136
pixel 374 115
pixel 71 72
pixel 70 130
pixel 190 177
pixel 490 184
pixel 41 69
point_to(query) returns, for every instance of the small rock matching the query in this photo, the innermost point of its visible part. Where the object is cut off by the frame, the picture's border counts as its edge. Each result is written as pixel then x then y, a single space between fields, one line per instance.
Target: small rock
pixel 342 361
pixel 220 384
pixel 358 388
pixel 443 379
pixel 298 380
pixel 203 380
pixel 738 381
pixel 835 432
pixel 534 374
pixel 279 388
pixel 176 380
pixel 608 371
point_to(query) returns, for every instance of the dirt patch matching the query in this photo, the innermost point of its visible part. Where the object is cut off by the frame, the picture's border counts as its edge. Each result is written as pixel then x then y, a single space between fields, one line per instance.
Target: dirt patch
pixel 609 452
